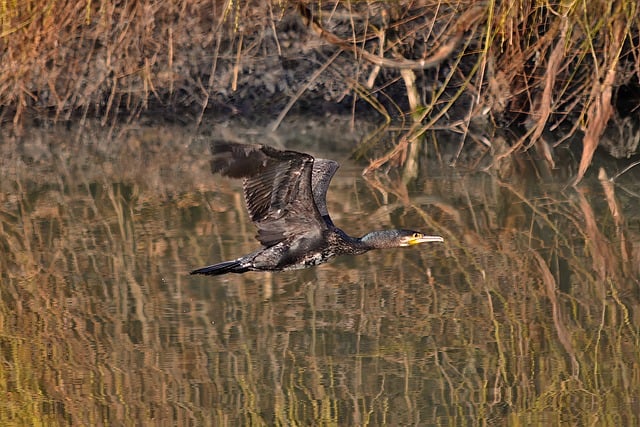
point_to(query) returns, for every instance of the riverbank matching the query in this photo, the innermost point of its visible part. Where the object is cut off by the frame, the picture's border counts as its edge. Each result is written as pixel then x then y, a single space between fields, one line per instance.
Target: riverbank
pixel 506 78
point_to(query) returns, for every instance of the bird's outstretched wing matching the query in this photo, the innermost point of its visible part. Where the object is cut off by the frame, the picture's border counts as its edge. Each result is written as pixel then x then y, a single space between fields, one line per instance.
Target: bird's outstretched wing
pixel 323 171
pixel 277 188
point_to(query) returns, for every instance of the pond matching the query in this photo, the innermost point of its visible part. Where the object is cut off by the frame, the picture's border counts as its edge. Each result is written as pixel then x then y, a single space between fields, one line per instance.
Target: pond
pixel 528 313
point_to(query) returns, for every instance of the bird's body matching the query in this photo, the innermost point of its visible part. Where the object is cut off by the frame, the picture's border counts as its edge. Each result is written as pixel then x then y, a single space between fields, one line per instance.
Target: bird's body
pixel 305 251
pixel 285 193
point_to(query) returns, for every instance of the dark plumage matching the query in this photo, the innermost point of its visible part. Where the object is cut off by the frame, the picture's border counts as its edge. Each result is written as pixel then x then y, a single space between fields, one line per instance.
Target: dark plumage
pixel 285 193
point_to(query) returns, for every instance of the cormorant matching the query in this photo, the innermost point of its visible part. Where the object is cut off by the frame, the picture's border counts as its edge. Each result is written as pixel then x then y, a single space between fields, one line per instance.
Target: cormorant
pixel 285 194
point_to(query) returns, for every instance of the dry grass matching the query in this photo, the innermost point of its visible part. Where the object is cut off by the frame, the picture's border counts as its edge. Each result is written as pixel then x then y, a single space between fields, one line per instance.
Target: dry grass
pixel 554 71
pixel 102 57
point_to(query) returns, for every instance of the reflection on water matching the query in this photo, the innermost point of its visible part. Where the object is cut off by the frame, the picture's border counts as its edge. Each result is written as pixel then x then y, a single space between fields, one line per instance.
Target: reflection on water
pixel 528 313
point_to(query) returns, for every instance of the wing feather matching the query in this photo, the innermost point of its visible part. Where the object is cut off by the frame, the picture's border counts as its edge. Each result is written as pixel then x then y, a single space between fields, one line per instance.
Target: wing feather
pixel 323 171
pixel 277 186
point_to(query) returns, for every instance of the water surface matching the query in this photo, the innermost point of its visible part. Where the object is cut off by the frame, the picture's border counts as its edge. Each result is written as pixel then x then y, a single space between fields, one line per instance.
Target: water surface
pixel 528 313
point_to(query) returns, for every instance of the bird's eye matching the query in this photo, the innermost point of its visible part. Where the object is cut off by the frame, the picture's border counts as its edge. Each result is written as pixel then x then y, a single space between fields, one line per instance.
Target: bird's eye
pixel 416 235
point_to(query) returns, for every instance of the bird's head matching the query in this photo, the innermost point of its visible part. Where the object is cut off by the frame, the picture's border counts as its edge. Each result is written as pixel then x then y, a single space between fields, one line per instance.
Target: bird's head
pixel 398 238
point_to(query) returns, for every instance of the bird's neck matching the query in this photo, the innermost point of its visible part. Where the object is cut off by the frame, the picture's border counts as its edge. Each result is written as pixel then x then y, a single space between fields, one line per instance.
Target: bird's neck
pixel 378 239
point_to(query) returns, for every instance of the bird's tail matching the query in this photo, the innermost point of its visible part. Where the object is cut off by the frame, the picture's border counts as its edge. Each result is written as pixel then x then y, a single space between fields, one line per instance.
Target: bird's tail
pixel 221 268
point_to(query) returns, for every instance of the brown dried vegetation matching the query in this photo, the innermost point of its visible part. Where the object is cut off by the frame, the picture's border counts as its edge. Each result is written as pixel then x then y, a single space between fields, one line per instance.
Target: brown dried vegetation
pixel 552 71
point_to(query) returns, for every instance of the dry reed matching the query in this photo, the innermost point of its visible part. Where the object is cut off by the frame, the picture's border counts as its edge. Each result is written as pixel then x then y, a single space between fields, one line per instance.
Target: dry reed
pixel 555 71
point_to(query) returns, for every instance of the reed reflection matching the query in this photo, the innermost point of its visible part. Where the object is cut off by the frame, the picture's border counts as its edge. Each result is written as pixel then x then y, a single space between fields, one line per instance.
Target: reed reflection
pixel 528 311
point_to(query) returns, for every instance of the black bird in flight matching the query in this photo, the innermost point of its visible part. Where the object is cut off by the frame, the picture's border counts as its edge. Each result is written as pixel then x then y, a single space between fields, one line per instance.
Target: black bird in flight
pixel 285 193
